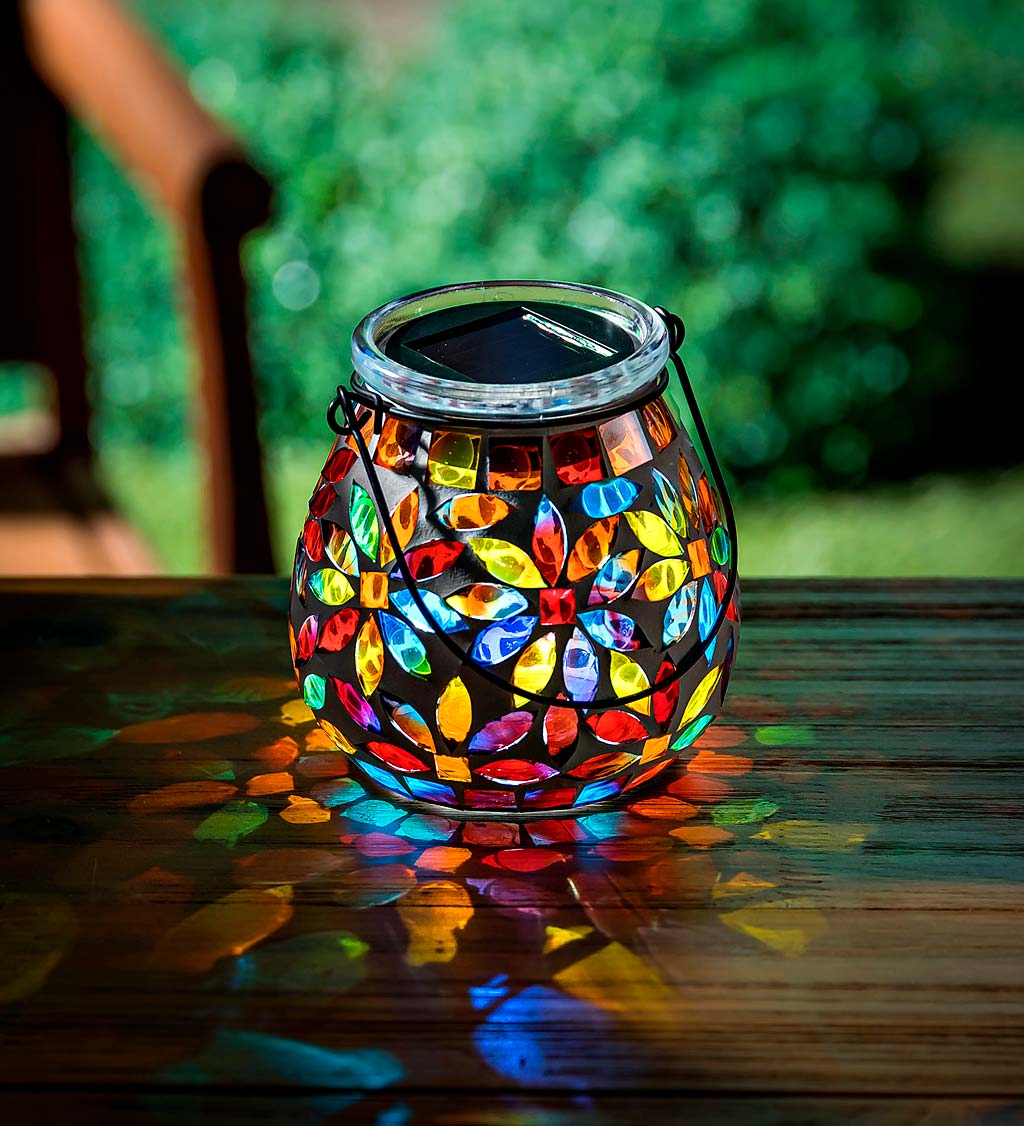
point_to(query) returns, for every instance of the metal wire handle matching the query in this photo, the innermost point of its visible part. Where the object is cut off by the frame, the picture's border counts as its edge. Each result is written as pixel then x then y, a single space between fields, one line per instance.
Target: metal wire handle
pixel 346 401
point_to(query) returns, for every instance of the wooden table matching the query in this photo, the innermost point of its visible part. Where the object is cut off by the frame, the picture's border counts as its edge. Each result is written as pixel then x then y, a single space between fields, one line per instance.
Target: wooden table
pixel 201 917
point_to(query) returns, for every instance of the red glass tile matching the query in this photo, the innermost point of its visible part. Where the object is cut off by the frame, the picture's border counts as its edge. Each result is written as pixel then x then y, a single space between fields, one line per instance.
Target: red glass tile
pixel 721 583
pixel 664 701
pixel 577 457
pixel 320 502
pixel 558 607
pixel 489 799
pixel 339 463
pixel 338 631
pixel 313 540
pixel 514 466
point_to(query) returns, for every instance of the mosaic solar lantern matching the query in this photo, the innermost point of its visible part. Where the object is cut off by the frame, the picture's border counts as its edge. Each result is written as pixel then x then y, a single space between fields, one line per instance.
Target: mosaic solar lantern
pixel 515 593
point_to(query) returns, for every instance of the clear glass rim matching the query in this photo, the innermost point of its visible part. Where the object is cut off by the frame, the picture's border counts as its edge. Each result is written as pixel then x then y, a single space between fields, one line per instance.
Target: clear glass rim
pixel 607 386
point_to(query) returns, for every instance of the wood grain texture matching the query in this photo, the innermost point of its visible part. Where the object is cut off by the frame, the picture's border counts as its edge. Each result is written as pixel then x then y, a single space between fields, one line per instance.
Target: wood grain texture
pixel 835 934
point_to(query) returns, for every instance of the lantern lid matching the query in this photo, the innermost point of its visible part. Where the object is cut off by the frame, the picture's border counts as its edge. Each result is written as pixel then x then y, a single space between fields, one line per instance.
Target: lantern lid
pixel 521 349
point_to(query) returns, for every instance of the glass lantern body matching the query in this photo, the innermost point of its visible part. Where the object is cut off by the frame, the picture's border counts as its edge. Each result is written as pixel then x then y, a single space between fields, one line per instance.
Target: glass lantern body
pixel 575 553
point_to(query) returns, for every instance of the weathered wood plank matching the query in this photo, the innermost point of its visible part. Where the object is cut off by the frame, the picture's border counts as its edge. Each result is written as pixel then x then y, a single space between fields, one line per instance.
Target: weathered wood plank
pixel 841 915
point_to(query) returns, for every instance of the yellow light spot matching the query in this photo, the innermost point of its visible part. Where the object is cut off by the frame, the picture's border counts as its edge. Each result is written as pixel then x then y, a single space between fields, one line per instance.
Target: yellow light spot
pixel 304 811
pixel 787 926
pixel 432 913
pixel 443 858
pixel 279 783
pixel 560 936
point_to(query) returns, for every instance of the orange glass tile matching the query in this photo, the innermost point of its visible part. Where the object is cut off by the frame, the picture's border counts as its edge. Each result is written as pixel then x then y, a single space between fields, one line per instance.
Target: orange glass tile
pixel 453 768
pixel 373 590
pixel 659 423
pixel 700 561
pixel 624 443
pixel 514 466
pixel 396 447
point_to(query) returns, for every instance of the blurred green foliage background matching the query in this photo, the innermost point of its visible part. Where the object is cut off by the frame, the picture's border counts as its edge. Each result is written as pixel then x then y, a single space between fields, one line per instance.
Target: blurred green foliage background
pixel 828 193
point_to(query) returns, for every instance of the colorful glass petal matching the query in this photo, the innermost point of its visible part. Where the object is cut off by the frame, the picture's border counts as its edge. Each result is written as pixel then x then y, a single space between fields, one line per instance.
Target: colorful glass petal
pixel 604 766
pixel 313 539
pixel 501 733
pixel 612 630
pixel 720 546
pixel 616 576
pixel 341 550
pixel 305 642
pixel 314 691
pixel 515 772
pixel 661 580
pixel 561 729
pixel 535 667
pixel 398 758
pixel 508 563
pixel 488 602
pixel 679 614
pixel 591 549
pixel 369 657
pixel 701 694
pixel 665 700
pixel 321 502
pixel 481 510
pixel 403 516
pixel 579 667
pixel 362 518
pixel 357 706
pixel 514 466
pixel 597 791
pixel 404 645
pixel 454 711
pixel 607 498
pixel 707 504
pixel 453 459
pixel 339 463
pixel 691 731
pixel 627 677
pixel 443 614
pixel 409 721
pixel 431 791
pixel 654 533
pixel 338 631
pixel 504 639
pixel 668 502
pixel 660 424
pixel 616 727
pixel 688 494
pixel 549 541
pixel 331 587
pixel 432 559
pixel 707 611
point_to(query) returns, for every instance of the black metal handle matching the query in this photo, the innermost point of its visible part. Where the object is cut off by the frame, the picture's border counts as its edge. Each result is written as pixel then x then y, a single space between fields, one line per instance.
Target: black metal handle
pixel 346 400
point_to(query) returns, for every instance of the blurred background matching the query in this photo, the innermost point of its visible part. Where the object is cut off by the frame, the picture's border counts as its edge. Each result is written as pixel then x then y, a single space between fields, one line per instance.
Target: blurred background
pixel 828 193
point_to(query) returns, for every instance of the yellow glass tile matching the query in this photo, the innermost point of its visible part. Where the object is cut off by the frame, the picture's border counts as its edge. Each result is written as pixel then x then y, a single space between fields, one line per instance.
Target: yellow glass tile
pixel 453 768
pixel 627 677
pixel 373 590
pixel 624 443
pixel 534 668
pixel 654 533
pixel 453 459
pixel 454 711
pixel 700 563
pixel 369 657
